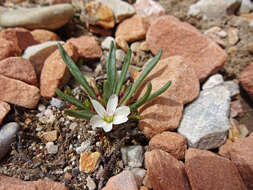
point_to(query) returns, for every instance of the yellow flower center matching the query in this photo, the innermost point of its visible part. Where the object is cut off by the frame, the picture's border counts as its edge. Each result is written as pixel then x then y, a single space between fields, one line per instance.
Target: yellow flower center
pixel 108 118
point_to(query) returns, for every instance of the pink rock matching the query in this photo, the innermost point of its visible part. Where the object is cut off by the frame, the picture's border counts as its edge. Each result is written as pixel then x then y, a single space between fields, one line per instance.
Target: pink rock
pixel 19 93
pixel 246 79
pixel 180 38
pixel 123 181
pixel 53 2
pixel 87 47
pixel 22 38
pixel 209 171
pixel 7 49
pixel 41 35
pixel 225 149
pixel 165 172
pixel 18 68
pixel 171 142
pixel 55 73
pixel 4 110
pixel 236 109
pixel 149 9
pixel 11 183
pixel 241 154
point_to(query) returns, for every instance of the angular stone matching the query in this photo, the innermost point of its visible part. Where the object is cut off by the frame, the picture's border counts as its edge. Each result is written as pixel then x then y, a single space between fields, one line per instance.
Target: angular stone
pixel 233 37
pixel 42 36
pixel 225 149
pixel 236 109
pixel 99 30
pixel 139 174
pixel 246 79
pixel 241 154
pixel 7 49
pixel 205 122
pixel 209 171
pixel 106 44
pixel 120 9
pixel 132 156
pixel 89 161
pixel 165 33
pixel 149 9
pixel 51 148
pixel 213 81
pixel 50 17
pixel 123 181
pixel 50 136
pixel 170 142
pixel 19 93
pixel 20 37
pixel 246 6
pixel 4 110
pixel 18 68
pixel 165 171
pixel 54 2
pixel 37 54
pixel 55 73
pixel 87 47
pixel 7 136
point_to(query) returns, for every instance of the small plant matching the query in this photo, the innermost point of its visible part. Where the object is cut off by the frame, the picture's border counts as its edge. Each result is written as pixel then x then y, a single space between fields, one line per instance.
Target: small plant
pixel 115 92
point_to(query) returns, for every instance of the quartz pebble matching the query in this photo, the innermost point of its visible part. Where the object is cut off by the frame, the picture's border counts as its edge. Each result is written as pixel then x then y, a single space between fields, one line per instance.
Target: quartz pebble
pixel 132 156
pixel 107 43
pixel 51 148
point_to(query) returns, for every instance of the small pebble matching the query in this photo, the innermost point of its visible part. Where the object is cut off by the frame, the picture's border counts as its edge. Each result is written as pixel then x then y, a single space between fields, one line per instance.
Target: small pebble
pixel 57 103
pixel 107 43
pixel 132 156
pixel 41 107
pixel 90 183
pixel 51 148
pixel 213 81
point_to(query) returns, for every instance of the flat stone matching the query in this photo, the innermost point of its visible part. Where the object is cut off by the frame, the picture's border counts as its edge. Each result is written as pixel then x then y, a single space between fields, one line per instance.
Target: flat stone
pixel 233 36
pixel 232 87
pixel 241 154
pixel 209 171
pixel 246 6
pixel 89 161
pixel 50 136
pixel 225 149
pixel 213 81
pixel 132 156
pixel 37 54
pixel 165 33
pixel 205 122
pixel 18 68
pixel 54 2
pixel 55 73
pixel 121 9
pixel 19 93
pixel 163 171
pixel 51 148
pixel 4 110
pixel 7 49
pixel 51 17
pixel 123 181
pixel 106 44
pixel 41 35
pixel 170 142
pixel 246 79
pixel 7 136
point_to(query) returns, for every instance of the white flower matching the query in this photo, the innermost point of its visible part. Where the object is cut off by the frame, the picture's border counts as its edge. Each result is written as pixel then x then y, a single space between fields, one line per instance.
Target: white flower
pixel 112 115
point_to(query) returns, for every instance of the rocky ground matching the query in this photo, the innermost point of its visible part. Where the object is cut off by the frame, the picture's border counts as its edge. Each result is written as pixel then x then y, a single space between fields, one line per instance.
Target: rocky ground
pixel 197 135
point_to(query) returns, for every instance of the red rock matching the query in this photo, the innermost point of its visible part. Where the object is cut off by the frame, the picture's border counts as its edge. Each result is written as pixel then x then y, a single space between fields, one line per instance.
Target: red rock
pixel 132 29
pixel 11 183
pixel 180 38
pixel 4 110
pixel 225 149
pixel 87 47
pixel 18 68
pixel 53 2
pixel 55 73
pixel 241 154
pixel 236 109
pixel 19 93
pixel 143 188
pixel 149 9
pixel 170 142
pixel 165 172
pixel 41 35
pixel 209 171
pixel 123 181
pixel 22 38
pixel 7 49
pixel 99 30
pixel 246 79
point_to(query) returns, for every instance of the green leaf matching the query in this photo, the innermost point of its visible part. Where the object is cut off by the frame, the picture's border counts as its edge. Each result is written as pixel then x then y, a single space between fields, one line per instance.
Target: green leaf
pixel 111 68
pixel 123 71
pixel 143 75
pixel 79 113
pixel 70 99
pixel 76 72
pixel 127 91
pixel 107 91
pixel 160 91
pixel 142 100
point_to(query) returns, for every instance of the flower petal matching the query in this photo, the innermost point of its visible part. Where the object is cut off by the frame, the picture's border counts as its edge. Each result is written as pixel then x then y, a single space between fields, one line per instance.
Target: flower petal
pixel 96 121
pixel 98 107
pixel 112 104
pixel 107 127
pixel 118 119
pixel 122 110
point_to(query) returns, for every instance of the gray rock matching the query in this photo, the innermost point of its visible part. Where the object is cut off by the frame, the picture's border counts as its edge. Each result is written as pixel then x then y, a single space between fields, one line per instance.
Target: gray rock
pixel 132 156
pixel 51 148
pixel 213 81
pixel 120 9
pixel 51 17
pixel 232 87
pixel 246 6
pixel 57 103
pixel 120 55
pixel 205 122
pixel 85 147
pixel 107 43
pixel 139 174
pixel 7 136
pixel 212 9
pixel 90 183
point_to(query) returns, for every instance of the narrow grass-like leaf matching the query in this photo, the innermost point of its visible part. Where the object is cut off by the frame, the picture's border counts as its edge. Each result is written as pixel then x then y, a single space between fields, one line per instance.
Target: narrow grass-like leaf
pixel 111 68
pixel 160 91
pixel 79 113
pixel 75 71
pixel 143 75
pixel 107 91
pixel 127 91
pixel 143 99
pixel 70 99
pixel 123 71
